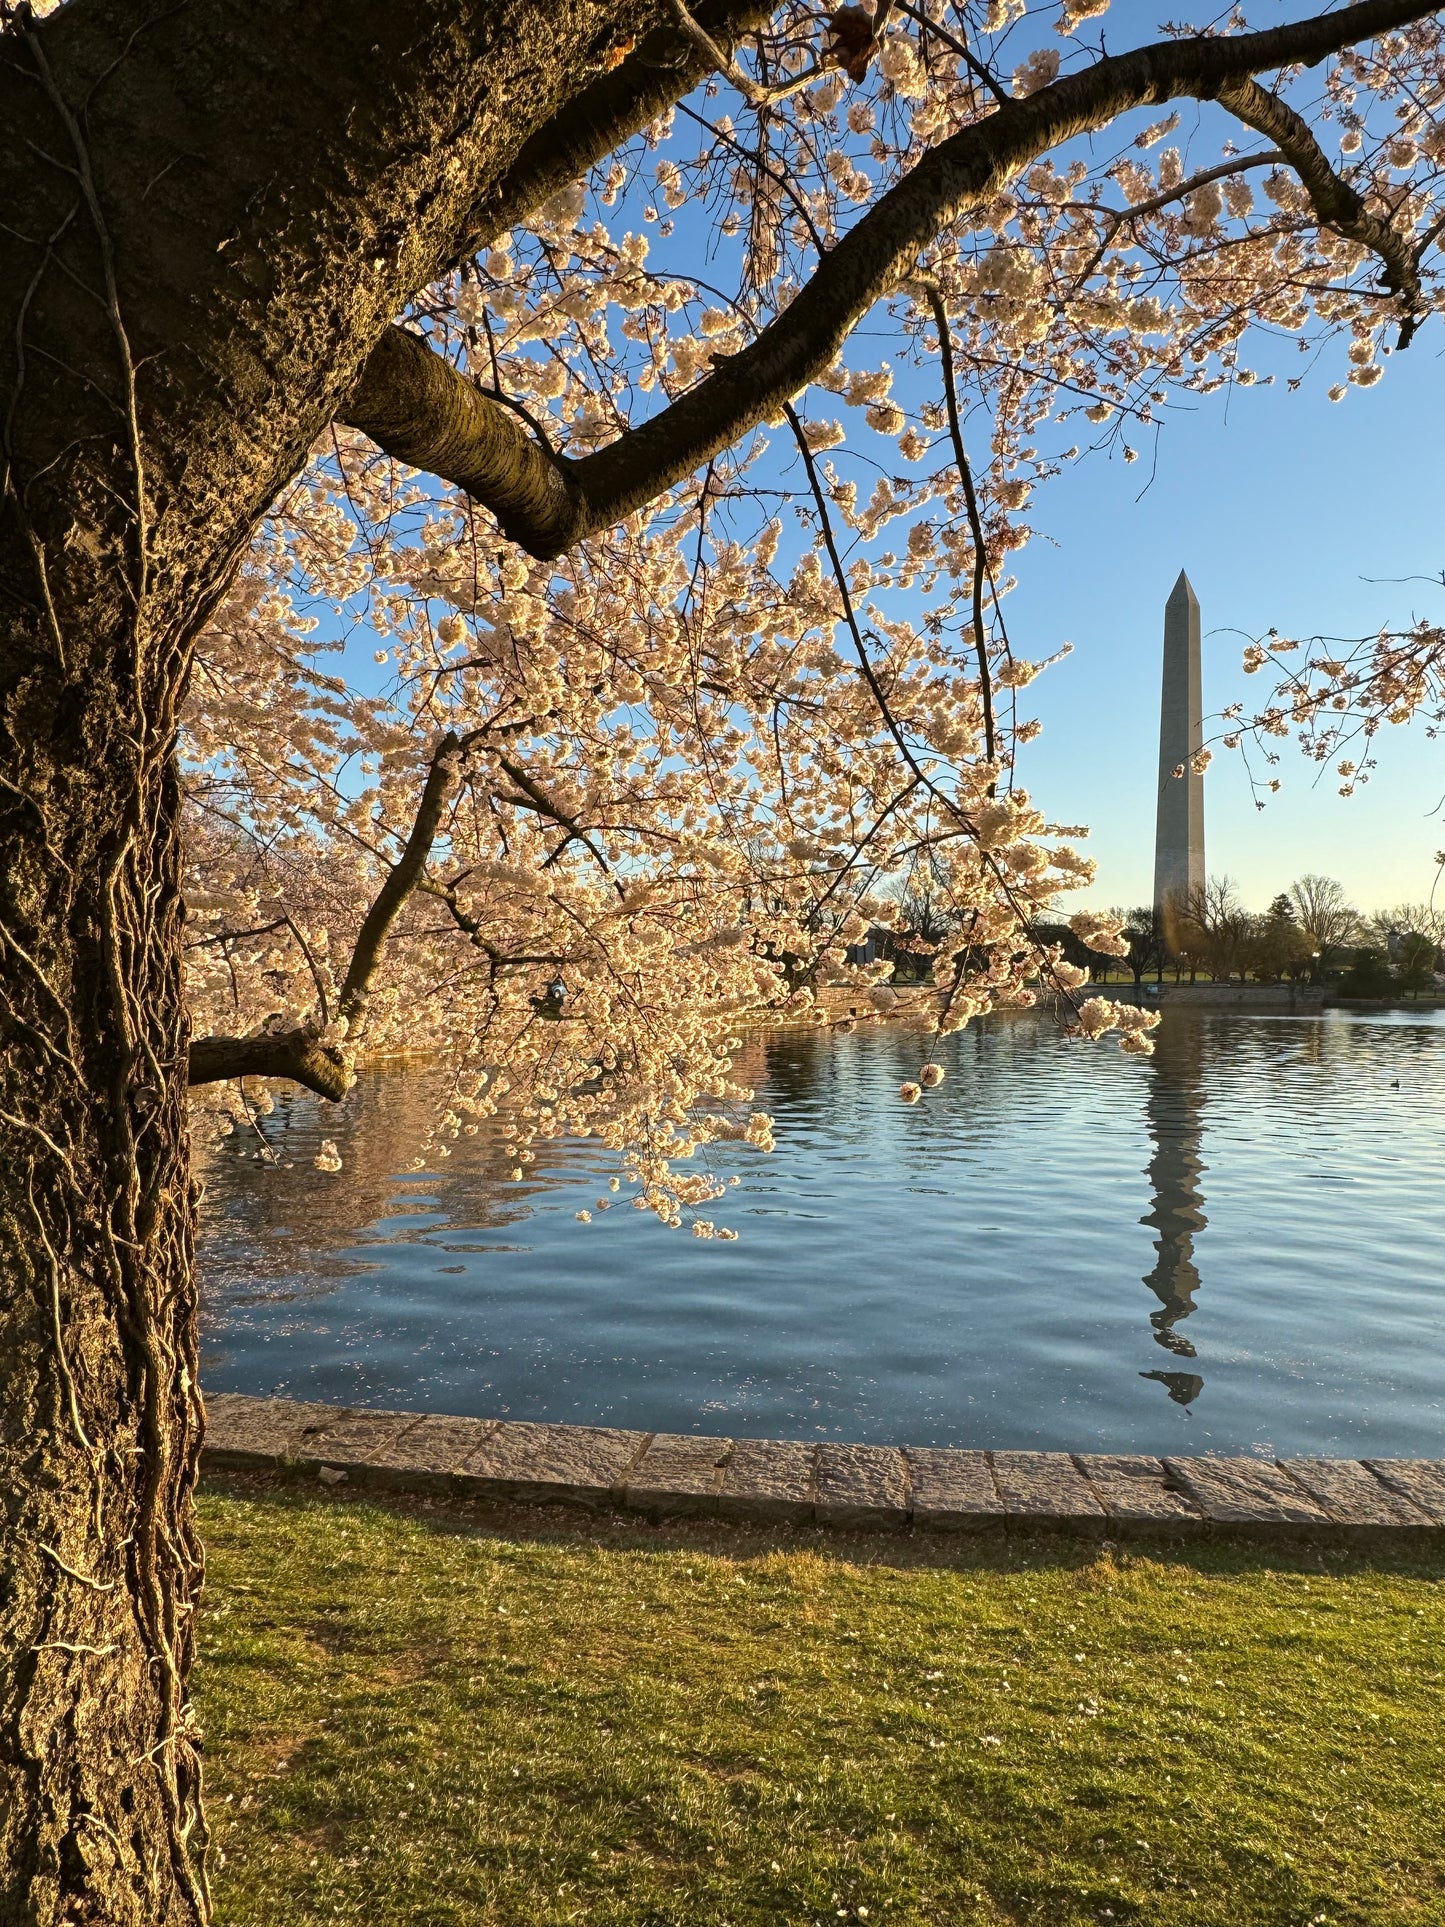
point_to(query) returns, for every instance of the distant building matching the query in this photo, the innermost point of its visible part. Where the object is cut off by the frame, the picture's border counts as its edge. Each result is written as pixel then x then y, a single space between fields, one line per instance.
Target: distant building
pixel 878 943
pixel 1179 827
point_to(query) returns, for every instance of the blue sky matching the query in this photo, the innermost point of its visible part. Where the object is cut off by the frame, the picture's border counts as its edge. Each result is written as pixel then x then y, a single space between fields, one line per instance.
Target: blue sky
pixel 1279 507
pixel 1279 510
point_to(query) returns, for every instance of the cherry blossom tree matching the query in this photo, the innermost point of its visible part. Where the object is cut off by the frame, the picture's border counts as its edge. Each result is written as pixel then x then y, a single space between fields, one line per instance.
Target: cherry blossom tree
pixel 464 584
pixel 1340 693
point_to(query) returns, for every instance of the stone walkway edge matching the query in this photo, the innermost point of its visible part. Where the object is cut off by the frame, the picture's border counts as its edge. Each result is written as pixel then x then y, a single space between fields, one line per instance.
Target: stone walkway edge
pixel 772 1480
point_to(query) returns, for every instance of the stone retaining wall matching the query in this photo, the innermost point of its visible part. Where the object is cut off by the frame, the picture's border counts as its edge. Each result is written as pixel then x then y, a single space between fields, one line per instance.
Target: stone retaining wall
pixel 661 1473
pixel 919 1001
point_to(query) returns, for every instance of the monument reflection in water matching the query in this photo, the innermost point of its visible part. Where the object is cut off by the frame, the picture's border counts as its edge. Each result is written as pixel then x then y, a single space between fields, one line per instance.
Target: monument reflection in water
pixel 1174 1109
pixel 1023 1260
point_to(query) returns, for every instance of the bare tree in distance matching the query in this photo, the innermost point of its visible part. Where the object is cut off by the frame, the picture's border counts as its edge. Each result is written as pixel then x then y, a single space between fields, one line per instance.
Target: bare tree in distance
pixel 1405 920
pixel 1214 928
pixel 1324 912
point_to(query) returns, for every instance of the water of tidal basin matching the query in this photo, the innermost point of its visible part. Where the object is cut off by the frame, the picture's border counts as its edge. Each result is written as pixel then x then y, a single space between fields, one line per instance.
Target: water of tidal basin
pixel 1232 1246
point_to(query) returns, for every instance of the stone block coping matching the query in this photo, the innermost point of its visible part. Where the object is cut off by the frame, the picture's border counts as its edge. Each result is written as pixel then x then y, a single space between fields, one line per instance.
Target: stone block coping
pixel 787 1480
pixel 780 1480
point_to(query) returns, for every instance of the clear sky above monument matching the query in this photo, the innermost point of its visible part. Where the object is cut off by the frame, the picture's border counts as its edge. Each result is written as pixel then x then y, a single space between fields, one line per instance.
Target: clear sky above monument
pixel 1280 508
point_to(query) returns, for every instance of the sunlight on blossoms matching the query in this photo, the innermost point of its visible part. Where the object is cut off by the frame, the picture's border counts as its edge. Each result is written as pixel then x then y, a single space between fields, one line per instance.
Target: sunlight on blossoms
pixel 685 779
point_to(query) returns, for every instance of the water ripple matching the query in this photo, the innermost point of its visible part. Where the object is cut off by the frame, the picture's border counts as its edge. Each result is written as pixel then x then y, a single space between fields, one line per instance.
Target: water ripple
pixel 1230 1246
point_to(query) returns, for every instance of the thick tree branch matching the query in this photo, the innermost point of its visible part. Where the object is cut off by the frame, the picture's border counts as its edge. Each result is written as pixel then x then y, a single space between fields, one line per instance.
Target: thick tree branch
pixel 432 417
pixel 298 1054
pixel 236 936
pixel 667 63
pixel 416 406
pixel 1335 202
pixel 365 958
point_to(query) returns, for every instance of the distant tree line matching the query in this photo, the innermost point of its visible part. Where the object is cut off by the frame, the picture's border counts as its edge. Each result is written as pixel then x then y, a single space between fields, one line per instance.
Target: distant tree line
pixel 1309 933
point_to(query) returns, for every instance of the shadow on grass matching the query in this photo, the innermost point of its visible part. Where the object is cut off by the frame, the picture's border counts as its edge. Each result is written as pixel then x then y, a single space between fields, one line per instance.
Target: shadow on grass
pixel 1002 1549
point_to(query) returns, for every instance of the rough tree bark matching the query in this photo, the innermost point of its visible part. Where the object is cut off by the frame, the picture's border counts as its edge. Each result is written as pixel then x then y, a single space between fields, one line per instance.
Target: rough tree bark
pixel 209 218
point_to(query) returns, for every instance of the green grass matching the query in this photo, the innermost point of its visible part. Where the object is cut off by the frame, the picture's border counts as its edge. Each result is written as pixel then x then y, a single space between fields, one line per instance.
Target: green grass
pixel 445 1716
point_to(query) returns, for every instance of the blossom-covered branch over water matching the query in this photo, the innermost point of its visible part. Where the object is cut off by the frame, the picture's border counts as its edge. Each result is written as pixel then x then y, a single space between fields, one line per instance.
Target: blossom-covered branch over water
pixel 507 517
pixel 695 750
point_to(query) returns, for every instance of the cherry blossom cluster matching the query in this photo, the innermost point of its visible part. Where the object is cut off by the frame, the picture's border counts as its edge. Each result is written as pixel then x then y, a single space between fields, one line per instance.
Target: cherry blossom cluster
pixel 695 754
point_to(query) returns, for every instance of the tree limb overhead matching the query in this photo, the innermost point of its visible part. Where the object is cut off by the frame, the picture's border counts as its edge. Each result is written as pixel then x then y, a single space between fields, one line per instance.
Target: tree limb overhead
pixel 416 406
pixel 298 1054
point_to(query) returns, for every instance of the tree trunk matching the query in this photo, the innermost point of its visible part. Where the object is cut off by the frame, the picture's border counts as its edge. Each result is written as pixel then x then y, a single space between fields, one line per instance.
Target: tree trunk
pixel 210 216
pixel 101 1568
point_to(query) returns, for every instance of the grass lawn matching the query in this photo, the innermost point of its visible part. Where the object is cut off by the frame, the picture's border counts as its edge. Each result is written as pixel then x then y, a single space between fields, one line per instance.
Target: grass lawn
pixel 446 1715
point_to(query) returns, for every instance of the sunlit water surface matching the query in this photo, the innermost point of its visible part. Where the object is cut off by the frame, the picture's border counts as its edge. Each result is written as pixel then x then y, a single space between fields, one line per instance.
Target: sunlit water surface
pixel 1234 1245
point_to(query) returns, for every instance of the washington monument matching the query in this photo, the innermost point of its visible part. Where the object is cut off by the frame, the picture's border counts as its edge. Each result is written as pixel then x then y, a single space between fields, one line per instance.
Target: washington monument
pixel 1179 835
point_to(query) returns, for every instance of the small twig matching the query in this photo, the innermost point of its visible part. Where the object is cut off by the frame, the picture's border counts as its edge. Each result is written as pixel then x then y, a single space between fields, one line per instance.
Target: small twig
pixel 975 520
pixel 890 721
pixel 800 206
pixel 26 1124
pixel 237 936
pixel 446 893
pixel 143 1759
pixel 870 675
pixel 269 1154
pixel 755 95
pixel 495 392
pixel 312 966
pixel 1428 238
